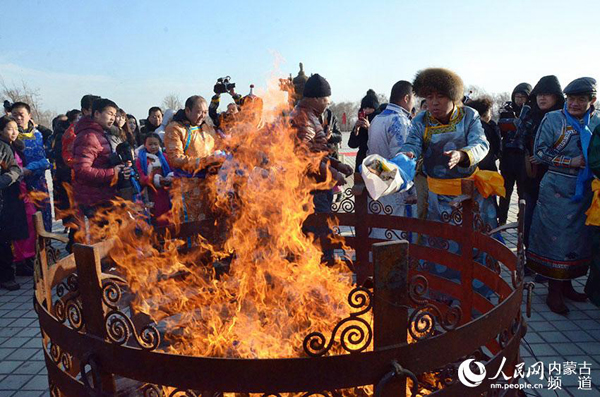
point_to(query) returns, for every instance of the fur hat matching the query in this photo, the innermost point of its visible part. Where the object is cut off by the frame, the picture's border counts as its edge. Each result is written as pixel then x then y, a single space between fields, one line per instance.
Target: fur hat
pixel 440 80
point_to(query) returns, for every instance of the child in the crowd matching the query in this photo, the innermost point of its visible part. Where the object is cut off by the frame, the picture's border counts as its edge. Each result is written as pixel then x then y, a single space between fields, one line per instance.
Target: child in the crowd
pixel 34 155
pixel 16 209
pixel 156 177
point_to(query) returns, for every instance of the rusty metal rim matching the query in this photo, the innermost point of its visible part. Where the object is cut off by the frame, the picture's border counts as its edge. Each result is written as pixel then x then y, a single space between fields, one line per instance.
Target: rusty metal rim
pixel 71 386
pixel 264 375
pixel 66 383
pixel 510 351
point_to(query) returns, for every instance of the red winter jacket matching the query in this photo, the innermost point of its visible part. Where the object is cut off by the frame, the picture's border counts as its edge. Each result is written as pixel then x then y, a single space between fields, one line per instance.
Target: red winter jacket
pixel 91 164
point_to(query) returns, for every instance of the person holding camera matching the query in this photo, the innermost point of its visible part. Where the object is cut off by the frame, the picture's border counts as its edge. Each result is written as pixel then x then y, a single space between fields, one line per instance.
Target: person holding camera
pixel 94 170
pixel 512 165
pixel 224 120
pixel 359 136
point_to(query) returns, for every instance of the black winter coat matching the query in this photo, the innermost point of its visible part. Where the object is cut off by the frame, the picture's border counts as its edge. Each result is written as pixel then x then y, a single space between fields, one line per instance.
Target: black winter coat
pixel 330 124
pixel 492 133
pixel 361 140
pixel 13 219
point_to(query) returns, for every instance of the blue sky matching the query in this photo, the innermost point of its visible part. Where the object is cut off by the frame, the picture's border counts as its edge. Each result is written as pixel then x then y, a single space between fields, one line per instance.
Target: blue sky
pixel 137 52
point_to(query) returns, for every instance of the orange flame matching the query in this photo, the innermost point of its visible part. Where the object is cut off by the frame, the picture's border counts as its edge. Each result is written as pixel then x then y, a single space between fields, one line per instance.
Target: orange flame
pixel 276 291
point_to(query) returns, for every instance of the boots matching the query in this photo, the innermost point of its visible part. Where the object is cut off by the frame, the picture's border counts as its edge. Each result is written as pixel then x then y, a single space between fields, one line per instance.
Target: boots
pixel 25 268
pixel 555 299
pixel 10 285
pixel 570 293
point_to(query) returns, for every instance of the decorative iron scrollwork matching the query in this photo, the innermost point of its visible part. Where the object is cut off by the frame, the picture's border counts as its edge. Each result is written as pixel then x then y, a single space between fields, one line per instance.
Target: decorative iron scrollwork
pixel 54 391
pixel 391 234
pixel 150 390
pixel 455 216
pixel 68 307
pixel 505 336
pixel 346 204
pixel 424 319
pixel 375 207
pixel 120 328
pixel 438 242
pixel 60 356
pixel 111 294
pixel 356 333
pixel 183 393
pixel 70 285
pixel 312 394
pixel 52 254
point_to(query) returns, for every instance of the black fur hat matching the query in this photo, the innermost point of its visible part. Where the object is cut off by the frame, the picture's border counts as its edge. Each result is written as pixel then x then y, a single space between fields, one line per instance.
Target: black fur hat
pixel 440 80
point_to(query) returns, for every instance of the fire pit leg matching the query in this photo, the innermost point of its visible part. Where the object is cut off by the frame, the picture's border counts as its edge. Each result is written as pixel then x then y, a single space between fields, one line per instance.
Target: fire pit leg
pixel 390 307
pixel 361 204
pixel 87 259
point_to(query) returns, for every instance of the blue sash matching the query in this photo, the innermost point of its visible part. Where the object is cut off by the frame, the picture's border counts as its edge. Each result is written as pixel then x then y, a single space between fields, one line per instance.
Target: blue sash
pixel 585 135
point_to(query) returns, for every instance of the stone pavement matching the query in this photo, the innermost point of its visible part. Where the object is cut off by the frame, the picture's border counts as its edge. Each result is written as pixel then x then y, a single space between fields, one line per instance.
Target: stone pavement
pixel 551 338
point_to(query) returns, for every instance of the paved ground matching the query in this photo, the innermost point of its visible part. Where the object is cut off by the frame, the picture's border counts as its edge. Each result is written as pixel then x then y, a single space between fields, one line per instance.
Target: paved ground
pixel 551 338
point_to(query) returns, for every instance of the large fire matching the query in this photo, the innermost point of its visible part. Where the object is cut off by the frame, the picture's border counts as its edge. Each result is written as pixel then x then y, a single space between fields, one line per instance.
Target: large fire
pixel 276 290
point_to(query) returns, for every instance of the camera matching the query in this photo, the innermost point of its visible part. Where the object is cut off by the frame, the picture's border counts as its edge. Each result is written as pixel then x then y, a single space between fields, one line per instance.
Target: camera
pixel 515 138
pixel 223 85
pixel 124 156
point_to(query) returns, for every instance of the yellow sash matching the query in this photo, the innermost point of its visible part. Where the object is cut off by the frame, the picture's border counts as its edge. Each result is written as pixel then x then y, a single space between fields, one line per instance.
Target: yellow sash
pixel 486 182
pixel 593 213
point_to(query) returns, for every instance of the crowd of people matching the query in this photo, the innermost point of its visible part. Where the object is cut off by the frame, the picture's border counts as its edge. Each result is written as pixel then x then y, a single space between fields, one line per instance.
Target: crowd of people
pixel 546 141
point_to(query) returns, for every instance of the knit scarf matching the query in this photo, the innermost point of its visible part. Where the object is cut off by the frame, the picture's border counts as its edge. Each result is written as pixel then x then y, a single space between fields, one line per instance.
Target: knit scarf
pixel 585 135
pixel 143 155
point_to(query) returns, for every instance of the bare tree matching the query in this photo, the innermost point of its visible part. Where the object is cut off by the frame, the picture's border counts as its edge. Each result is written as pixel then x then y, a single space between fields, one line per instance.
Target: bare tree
pixel 172 101
pixel 382 98
pixel 348 108
pixel 474 91
pixel 498 99
pixel 30 96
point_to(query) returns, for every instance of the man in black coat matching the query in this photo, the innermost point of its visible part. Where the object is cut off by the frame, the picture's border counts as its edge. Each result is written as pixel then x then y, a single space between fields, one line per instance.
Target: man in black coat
pixel 512 162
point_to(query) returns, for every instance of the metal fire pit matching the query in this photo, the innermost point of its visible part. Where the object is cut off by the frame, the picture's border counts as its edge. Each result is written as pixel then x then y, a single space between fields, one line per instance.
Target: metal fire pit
pixel 93 347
